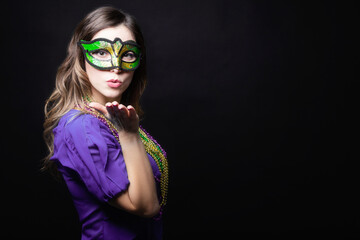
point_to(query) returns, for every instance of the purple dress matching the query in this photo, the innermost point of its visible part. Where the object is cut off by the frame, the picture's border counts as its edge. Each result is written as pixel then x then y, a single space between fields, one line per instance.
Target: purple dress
pixel 92 165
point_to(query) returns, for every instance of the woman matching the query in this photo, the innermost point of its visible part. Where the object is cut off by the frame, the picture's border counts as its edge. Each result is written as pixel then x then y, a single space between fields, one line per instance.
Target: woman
pixel 115 171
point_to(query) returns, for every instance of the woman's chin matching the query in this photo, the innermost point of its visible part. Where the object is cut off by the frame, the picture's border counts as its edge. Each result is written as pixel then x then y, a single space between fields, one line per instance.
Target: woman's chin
pixel 112 96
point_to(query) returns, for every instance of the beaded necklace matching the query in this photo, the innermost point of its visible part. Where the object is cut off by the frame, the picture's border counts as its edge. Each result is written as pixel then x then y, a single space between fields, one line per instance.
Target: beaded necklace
pixel 151 146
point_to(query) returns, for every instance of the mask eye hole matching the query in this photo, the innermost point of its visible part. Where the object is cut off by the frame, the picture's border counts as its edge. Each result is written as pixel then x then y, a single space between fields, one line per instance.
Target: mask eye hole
pixel 129 56
pixel 101 54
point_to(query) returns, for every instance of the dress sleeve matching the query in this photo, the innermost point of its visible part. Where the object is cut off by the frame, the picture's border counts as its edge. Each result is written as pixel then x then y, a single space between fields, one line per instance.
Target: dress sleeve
pixel 94 153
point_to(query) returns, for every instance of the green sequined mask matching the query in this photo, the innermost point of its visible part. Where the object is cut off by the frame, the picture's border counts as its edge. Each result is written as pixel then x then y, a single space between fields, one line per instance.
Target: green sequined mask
pixel 105 54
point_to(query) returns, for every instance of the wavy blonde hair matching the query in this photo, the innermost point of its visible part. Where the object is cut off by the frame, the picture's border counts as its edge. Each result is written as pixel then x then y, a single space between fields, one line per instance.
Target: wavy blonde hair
pixel 72 82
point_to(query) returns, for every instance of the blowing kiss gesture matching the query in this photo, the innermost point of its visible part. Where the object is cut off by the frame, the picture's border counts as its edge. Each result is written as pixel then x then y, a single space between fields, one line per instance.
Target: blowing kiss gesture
pixel 124 118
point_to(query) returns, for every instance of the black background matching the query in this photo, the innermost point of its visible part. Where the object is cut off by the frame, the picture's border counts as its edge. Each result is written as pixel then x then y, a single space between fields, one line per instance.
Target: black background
pixel 254 102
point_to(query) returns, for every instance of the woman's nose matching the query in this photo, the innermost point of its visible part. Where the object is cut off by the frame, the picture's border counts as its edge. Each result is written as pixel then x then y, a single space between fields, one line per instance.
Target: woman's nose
pixel 115 70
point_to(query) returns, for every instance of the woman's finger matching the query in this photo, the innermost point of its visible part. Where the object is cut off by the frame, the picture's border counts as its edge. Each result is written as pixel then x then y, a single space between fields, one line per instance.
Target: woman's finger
pixel 110 109
pixel 99 107
pixel 124 113
pixel 132 112
pixel 115 109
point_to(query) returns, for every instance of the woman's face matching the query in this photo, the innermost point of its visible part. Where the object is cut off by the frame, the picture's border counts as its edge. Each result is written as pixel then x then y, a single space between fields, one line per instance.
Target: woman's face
pixel 109 85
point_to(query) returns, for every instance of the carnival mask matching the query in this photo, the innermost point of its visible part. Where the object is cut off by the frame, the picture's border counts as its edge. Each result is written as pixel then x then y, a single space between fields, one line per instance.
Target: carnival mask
pixel 105 54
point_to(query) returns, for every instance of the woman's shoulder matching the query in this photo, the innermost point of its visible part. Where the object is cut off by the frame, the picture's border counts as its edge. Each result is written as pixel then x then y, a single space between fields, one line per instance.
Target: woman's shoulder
pixel 76 122
pixel 74 119
pixel 75 125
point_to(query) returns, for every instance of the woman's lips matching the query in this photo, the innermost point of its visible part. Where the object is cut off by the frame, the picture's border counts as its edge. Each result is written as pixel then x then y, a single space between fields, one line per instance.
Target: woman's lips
pixel 114 83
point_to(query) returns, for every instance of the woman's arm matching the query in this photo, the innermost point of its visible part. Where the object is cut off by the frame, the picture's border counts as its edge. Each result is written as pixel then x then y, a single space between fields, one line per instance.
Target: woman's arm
pixel 141 196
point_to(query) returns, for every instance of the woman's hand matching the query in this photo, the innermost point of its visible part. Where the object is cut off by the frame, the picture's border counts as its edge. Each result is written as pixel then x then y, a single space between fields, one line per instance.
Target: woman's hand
pixel 124 118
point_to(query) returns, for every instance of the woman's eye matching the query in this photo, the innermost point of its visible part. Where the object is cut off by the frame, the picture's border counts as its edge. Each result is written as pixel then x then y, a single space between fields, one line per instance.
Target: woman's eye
pixel 101 54
pixel 128 57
